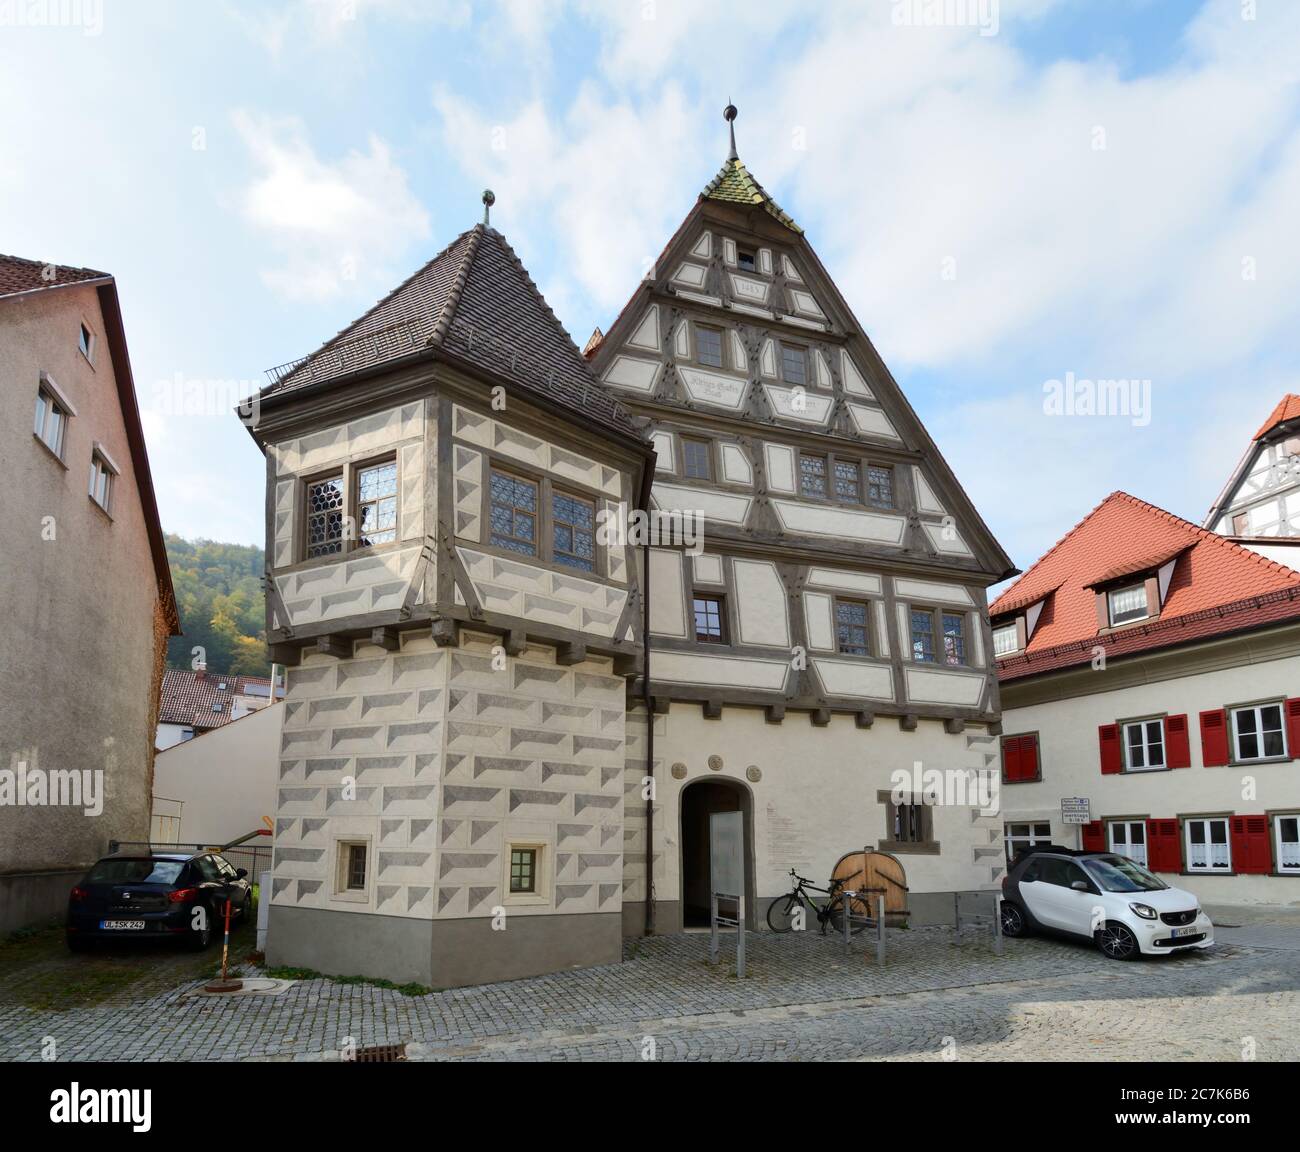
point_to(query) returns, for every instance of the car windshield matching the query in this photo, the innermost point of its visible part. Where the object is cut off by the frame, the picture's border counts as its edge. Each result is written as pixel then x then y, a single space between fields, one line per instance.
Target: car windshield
pixel 1120 874
pixel 135 872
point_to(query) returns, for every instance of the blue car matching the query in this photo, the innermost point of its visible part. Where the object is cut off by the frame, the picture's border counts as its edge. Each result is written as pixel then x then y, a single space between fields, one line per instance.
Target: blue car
pixel 157 894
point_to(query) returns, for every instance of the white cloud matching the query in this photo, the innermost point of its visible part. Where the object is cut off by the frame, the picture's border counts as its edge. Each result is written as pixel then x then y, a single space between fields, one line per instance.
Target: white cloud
pixel 329 23
pixel 331 223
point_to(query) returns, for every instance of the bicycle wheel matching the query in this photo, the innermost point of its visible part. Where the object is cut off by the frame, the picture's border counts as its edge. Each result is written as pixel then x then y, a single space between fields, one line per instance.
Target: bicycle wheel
pixel 781 912
pixel 857 910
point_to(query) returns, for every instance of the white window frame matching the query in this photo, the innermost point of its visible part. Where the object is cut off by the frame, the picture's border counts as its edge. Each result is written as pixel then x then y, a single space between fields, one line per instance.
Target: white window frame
pixel 1001 630
pixel 1126 849
pixel 89 350
pixel 49 398
pixel 1207 821
pixel 1286 869
pixel 1031 838
pixel 343 846
pixel 1110 604
pixel 1258 710
pixel 542 892
pixel 103 478
pixel 1146 725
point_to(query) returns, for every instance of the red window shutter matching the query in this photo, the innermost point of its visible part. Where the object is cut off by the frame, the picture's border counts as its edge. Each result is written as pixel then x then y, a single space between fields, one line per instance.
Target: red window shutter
pixel 1214 738
pixel 1108 736
pixel 1178 753
pixel 1029 757
pixel 1250 846
pixel 1010 758
pixel 1164 846
pixel 1094 837
pixel 1293 728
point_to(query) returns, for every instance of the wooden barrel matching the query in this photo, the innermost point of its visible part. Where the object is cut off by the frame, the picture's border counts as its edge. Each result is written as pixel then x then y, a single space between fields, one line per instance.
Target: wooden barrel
pixel 876 873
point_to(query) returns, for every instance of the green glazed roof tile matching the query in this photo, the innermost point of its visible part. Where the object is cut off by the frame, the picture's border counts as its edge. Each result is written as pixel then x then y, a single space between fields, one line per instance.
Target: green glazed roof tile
pixel 735 185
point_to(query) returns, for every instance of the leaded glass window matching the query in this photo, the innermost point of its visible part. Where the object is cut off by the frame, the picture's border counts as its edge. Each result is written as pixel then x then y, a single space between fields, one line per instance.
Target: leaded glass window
pixel 573 526
pixel 851 627
pixel 513 513
pixel 325 516
pixel 377 504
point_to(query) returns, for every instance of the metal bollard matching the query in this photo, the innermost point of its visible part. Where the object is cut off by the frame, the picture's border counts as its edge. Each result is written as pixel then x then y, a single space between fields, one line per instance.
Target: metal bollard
pixel 997 923
pixel 880 931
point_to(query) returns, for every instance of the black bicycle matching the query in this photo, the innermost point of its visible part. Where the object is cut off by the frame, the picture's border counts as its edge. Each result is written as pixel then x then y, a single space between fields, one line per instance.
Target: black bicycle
pixel 785 911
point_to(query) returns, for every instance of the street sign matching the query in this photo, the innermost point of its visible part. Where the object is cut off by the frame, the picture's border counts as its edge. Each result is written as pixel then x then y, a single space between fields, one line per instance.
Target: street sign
pixel 1075 810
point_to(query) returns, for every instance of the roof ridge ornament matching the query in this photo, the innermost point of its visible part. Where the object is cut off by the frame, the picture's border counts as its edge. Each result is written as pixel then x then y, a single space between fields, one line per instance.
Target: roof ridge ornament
pixel 489 198
pixel 729 114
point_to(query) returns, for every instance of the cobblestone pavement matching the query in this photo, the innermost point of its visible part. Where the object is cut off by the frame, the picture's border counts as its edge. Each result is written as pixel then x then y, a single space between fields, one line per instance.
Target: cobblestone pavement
pixel 805 998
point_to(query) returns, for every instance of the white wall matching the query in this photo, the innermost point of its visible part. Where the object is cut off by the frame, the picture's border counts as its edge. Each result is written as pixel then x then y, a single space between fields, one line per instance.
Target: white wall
pixel 1071 766
pixel 225 778
pixel 169 735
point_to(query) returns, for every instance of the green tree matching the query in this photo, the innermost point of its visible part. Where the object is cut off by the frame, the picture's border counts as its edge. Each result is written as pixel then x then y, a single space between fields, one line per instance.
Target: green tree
pixel 222 606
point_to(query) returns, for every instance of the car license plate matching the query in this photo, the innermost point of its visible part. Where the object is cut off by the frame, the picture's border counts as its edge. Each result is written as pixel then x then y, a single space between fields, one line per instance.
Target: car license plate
pixel 122 925
pixel 1188 931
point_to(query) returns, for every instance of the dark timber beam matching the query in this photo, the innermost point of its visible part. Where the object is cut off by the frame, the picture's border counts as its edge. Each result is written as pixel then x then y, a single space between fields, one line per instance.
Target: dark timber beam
pixel 864 719
pixel 444 632
pixel 774 713
pixel 570 654
pixel 820 717
pixel 954 725
pixel 907 722
pixel 713 708
pixel 516 641
pixel 334 646
pixel 385 638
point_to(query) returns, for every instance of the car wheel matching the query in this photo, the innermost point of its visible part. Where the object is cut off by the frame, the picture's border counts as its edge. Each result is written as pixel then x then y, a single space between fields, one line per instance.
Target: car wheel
pixel 1117 942
pixel 199 941
pixel 1013 920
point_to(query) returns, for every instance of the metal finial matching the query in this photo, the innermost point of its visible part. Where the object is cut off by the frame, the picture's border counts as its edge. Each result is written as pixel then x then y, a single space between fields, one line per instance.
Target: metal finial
pixel 729 114
pixel 489 198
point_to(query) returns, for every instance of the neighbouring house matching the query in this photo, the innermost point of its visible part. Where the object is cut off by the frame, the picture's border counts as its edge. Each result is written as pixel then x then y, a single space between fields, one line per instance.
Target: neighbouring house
pixel 1152 668
pixel 195 702
pixel 468 724
pixel 1259 507
pixel 216 789
pixel 88 593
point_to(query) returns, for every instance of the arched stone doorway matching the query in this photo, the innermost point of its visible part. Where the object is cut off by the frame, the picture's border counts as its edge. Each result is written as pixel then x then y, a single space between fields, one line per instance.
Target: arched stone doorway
pixel 699 800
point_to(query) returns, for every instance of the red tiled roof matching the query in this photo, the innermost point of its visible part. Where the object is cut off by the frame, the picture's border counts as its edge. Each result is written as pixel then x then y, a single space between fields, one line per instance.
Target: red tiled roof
pixel 1216 587
pixel 19 275
pixel 203 702
pixel 1288 408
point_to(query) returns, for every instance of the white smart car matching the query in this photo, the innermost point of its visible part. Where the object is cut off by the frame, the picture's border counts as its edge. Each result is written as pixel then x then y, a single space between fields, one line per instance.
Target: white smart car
pixel 1099 896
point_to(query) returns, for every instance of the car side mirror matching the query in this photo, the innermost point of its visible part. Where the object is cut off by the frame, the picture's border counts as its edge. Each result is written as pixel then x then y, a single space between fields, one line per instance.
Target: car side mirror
pixel 240 873
pixel 1080 886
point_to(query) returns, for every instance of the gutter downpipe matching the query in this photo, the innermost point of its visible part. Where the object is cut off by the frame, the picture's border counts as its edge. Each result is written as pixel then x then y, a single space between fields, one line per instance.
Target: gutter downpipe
pixel 649 748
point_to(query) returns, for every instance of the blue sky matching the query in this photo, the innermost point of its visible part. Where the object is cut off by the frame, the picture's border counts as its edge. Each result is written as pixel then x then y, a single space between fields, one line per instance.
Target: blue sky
pixel 1049 187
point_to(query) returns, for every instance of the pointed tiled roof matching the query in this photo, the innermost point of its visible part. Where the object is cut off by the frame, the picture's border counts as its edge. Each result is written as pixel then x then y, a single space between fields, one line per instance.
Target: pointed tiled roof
pixel 474 301
pixel 735 185
pixel 19 275
pixel 1288 408
pixel 1216 587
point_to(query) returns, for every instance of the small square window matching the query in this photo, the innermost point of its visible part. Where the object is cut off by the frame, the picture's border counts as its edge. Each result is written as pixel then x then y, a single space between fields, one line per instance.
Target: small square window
pixel 794 364
pixel 708 346
pixel 523 871
pixel 101 481
pixel 86 343
pixel 851 628
pixel 696 459
pixel 812 476
pixel 745 260
pixel 710 619
pixel 1127 604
